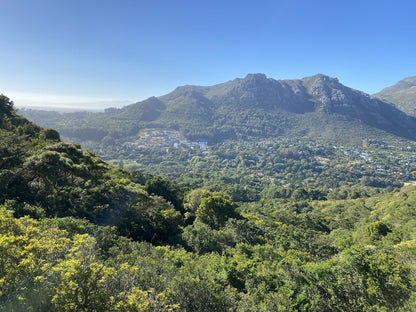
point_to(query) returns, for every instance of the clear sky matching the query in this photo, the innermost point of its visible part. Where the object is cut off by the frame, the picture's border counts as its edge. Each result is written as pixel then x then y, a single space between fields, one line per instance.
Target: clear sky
pixel 116 50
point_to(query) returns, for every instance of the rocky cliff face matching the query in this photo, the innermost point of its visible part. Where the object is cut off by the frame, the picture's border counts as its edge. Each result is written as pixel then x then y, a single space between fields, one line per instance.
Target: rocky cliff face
pixel 258 91
pixel 234 103
pixel 327 92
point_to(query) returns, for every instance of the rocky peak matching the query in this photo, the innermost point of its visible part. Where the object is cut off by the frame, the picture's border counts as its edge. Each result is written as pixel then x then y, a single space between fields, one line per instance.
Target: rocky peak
pixel 319 83
pixel 326 90
pixel 255 77
pixel 252 82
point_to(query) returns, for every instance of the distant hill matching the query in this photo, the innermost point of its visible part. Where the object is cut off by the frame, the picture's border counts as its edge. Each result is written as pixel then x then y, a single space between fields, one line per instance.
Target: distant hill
pixel 402 94
pixel 256 106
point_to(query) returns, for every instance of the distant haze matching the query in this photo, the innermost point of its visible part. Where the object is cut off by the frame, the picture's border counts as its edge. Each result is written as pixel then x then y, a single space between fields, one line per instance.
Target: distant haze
pixel 63 103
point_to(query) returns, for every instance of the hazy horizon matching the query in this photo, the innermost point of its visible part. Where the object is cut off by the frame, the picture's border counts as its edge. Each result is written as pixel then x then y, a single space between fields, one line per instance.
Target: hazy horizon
pixel 64 103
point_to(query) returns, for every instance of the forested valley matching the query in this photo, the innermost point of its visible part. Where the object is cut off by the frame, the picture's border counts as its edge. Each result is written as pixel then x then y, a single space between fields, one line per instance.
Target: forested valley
pixel 279 224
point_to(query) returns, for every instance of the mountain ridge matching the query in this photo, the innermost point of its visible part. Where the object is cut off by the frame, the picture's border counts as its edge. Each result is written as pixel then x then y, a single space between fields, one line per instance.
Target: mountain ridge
pixel 259 106
pixel 402 95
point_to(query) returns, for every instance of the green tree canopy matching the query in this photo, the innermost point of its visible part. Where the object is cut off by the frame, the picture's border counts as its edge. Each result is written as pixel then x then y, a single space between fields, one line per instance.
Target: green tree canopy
pixel 215 209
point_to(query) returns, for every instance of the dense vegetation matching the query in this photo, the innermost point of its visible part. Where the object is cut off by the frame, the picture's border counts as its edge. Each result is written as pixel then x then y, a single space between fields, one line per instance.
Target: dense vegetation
pixel 80 235
pixel 253 165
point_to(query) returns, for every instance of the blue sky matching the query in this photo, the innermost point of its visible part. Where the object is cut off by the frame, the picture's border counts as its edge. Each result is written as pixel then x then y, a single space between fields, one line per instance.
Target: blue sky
pixel 109 51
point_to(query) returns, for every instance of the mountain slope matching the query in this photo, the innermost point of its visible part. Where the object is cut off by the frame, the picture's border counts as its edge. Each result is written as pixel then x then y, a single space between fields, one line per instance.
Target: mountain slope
pixel 402 94
pixel 42 176
pixel 317 106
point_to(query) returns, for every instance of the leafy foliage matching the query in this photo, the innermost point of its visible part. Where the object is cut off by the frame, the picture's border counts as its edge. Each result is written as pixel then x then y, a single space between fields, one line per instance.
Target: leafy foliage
pixel 79 235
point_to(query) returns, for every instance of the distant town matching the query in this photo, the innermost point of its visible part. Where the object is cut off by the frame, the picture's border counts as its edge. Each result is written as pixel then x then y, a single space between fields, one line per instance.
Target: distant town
pixel 164 138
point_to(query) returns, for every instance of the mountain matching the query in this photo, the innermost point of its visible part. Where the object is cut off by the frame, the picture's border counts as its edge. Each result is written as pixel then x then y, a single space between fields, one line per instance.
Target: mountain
pixel 402 94
pixel 257 106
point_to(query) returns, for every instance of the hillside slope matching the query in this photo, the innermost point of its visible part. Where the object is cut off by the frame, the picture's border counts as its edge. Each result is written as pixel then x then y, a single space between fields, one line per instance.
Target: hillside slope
pixel 42 176
pixel 402 94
